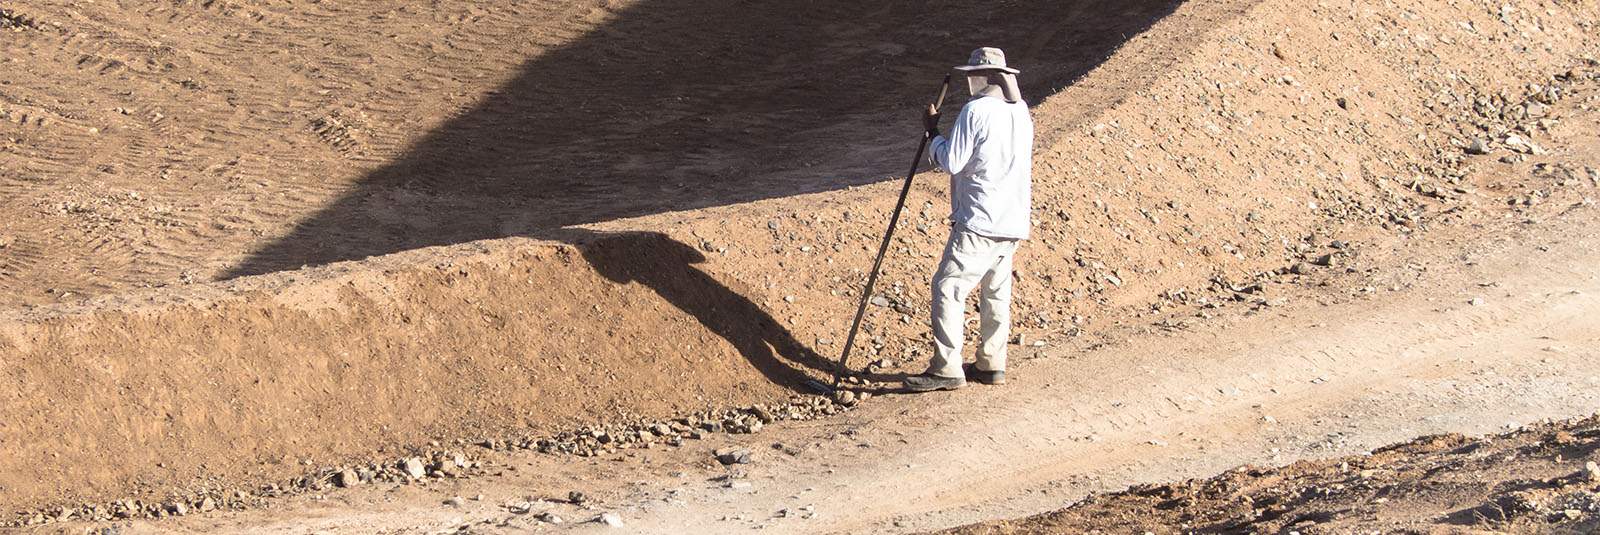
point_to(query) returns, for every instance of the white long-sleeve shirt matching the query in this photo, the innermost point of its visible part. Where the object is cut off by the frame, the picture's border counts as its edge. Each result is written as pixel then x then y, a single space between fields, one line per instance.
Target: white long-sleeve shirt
pixel 989 155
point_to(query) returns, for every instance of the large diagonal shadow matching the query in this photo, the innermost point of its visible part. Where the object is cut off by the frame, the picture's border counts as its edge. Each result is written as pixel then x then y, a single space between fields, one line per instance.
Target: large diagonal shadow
pixel 753 93
pixel 605 129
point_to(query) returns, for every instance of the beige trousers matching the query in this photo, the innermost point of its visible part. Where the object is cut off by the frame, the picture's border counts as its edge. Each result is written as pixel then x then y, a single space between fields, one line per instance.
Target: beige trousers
pixel 972 261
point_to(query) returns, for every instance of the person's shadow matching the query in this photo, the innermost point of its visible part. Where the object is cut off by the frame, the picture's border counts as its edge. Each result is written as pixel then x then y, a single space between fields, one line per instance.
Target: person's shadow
pixel 667 266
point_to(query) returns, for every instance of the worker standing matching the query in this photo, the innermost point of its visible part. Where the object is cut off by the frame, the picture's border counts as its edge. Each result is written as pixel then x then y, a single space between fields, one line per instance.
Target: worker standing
pixel 989 154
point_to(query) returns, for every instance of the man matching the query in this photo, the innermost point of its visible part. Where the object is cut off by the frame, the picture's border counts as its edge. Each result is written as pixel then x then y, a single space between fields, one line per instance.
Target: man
pixel 989 157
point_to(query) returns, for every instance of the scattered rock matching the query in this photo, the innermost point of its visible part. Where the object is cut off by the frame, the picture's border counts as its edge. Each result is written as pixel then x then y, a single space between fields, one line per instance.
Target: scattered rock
pixel 1522 145
pixel 1478 146
pixel 347 478
pixel 1300 268
pixel 577 498
pixel 1324 260
pixel 413 467
pixel 733 456
pixel 609 519
pixel 1476 301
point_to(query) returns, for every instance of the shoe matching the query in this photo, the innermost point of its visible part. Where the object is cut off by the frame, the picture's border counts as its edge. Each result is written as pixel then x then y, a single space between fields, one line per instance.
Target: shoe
pixel 997 377
pixel 928 382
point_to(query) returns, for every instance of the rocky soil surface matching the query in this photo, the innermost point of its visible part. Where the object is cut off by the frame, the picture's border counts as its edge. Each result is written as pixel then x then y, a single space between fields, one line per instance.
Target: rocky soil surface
pixel 1516 482
pixel 285 266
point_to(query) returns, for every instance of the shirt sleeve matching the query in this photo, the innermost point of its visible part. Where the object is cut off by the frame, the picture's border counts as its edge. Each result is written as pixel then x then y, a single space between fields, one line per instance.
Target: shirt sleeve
pixel 953 153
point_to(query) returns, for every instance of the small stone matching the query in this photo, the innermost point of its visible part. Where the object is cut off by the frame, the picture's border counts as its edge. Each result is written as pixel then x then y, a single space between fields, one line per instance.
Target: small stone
pixel 733 456
pixel 347 478
pixel 738 484
pixel 880 301
pixel 1324 260
pixel 1476 301
pixel 413 467
pixel 764 414
pixel 1520 144
pixel 609 519
pixel 455 501
pixel 577 498
pixel 1478 146
pixel 1592 471
pixel 1300 268
pixel 180 508
pixel 550 518
pixel 208 504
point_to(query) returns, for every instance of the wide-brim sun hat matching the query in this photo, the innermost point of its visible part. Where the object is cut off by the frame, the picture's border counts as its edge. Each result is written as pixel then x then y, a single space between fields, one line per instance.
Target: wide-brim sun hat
pixel 987 59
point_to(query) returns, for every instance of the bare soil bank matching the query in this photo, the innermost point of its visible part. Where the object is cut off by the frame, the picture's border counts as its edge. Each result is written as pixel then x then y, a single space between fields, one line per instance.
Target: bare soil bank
pixel 327 365
pixel 1223 141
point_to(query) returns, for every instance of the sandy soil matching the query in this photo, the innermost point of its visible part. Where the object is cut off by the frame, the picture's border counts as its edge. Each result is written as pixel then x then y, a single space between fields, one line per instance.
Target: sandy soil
pixel 1333 368
pixel 501 245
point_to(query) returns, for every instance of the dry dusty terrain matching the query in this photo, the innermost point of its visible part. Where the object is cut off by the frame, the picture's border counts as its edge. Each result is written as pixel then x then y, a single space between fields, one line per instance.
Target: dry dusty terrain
pixel 252 250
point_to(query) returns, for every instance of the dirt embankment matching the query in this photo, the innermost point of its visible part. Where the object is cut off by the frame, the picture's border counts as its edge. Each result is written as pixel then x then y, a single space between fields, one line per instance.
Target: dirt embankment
pixel 319 367
pixel 1227 140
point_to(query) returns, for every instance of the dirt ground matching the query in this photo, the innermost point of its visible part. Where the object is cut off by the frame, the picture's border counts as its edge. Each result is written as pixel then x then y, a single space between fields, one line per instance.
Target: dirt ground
pixel 250 246
pixel 1306 407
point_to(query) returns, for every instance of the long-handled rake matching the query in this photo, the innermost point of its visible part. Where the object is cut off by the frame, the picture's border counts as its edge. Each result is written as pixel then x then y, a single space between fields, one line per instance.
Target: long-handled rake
pixel 872 278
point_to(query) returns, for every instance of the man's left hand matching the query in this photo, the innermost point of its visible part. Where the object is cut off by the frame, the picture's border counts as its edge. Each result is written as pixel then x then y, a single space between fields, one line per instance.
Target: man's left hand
pixel 930 120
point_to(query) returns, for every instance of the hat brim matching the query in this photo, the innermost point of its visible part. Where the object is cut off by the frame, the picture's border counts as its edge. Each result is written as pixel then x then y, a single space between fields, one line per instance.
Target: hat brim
pixel 971 68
